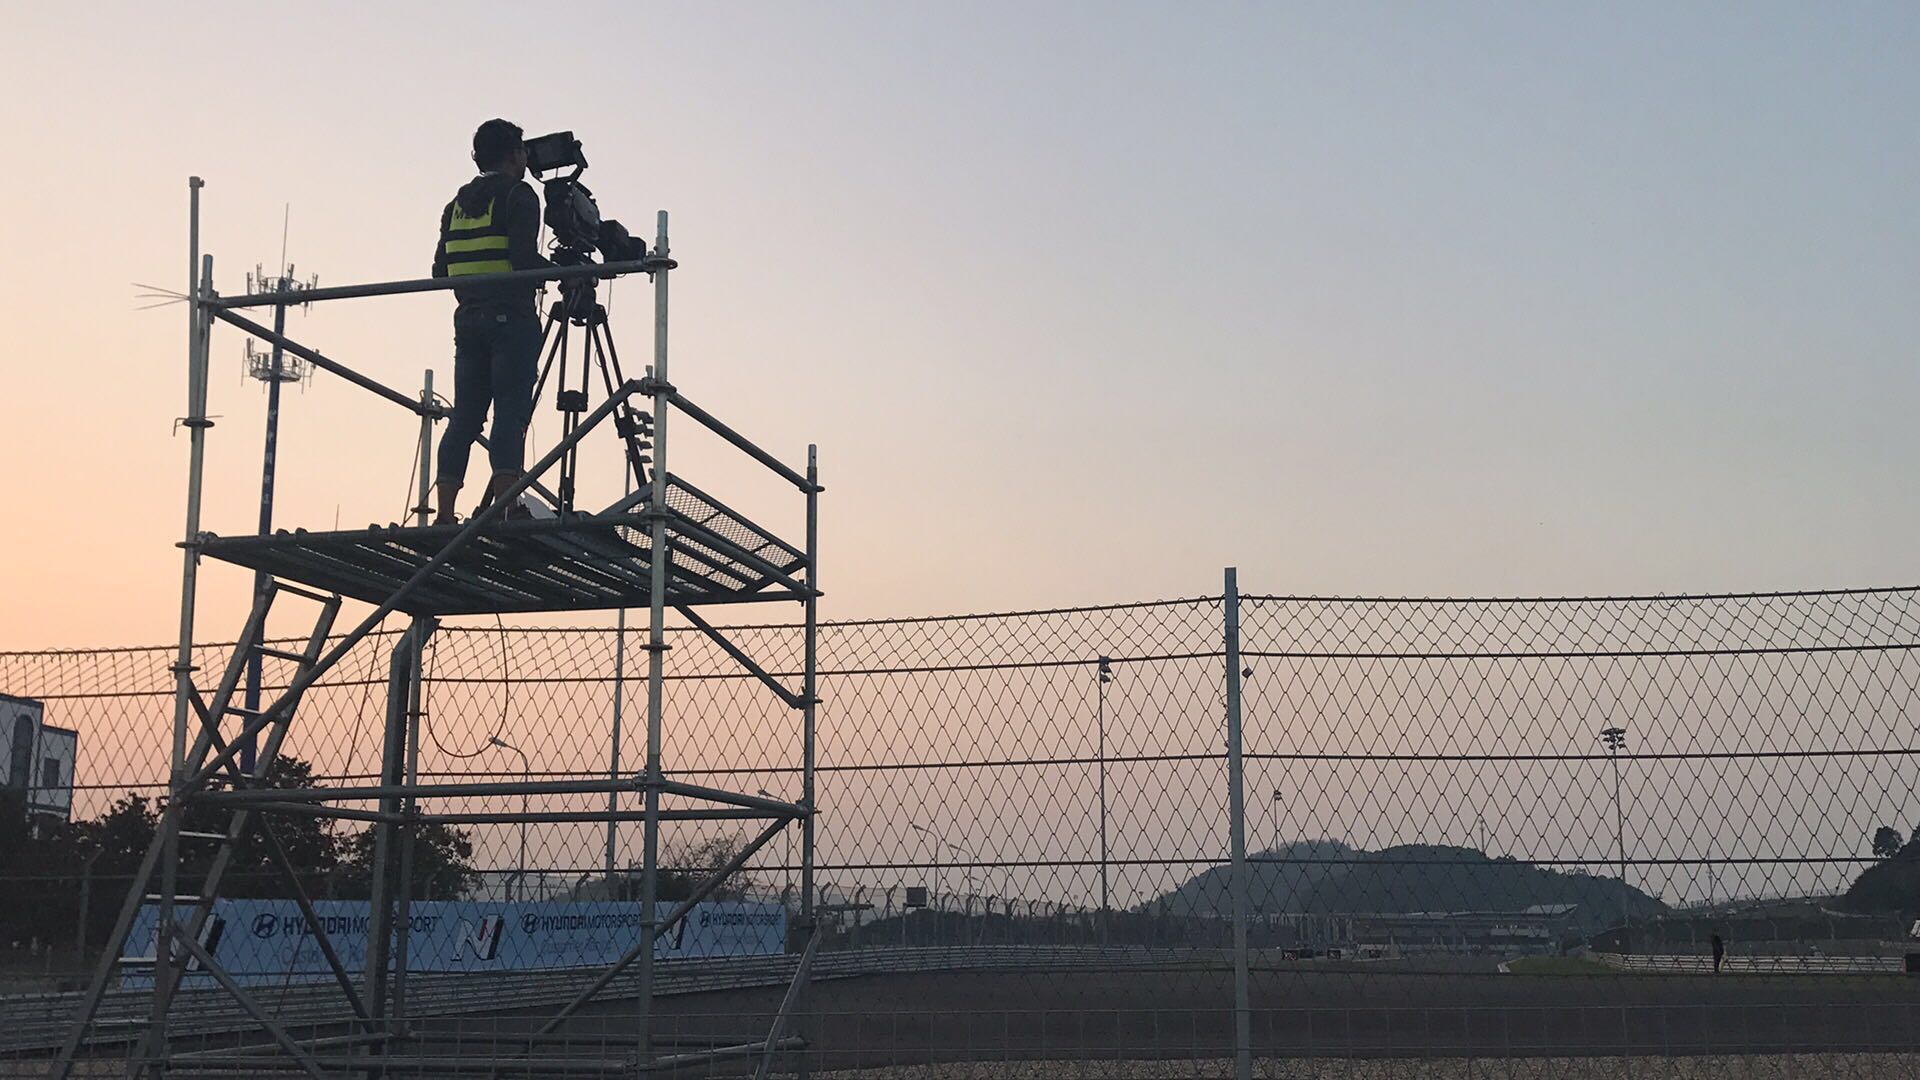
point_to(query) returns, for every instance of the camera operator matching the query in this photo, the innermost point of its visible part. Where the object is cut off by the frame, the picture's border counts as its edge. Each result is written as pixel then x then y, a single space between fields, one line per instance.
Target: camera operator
pixel 491 226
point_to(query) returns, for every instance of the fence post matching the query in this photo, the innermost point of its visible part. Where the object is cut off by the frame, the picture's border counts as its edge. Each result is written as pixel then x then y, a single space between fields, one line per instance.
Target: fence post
pixel 1237 831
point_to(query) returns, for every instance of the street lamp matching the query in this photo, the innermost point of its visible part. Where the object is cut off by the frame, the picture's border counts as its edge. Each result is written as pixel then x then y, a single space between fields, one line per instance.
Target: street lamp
pixel 973 861
pixel 1615 739
pixel 935 837
pixel 940 841
pixel 526 777
pixel 786 870
pixel 1105 670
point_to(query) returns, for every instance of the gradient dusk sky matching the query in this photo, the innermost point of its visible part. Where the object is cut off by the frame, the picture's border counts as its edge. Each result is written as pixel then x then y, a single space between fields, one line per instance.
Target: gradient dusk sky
pixel 1081 301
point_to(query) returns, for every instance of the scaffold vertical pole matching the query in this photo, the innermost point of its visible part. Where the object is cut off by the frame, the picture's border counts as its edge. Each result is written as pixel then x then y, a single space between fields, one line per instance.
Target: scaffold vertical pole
pixel 619 718
pixel 419 633
pixel 656 649
pixel 1237 831
pixel 199 277
pixel 421 630
pixel 810 697
pixel 424 508
pixel 384 885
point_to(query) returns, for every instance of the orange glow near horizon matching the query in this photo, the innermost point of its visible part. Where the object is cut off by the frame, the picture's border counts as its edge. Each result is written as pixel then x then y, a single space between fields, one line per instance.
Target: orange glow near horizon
pixel 1078 310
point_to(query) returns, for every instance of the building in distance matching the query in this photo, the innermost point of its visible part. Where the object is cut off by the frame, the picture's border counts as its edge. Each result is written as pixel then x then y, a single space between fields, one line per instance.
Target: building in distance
pixel 37 760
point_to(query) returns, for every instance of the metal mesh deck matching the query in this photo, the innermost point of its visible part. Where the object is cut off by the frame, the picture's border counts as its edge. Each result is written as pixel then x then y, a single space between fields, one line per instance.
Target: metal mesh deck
pixel 581 563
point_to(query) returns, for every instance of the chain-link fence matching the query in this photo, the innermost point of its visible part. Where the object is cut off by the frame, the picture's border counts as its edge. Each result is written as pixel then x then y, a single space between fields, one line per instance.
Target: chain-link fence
pixel 1475 829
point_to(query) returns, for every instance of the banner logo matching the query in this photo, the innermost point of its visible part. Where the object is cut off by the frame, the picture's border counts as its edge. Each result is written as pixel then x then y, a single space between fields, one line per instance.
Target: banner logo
pixel 483 940
pixel 211 932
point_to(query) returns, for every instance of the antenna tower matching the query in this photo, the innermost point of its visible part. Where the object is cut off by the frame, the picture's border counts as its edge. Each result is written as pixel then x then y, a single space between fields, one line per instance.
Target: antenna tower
pixel 273 367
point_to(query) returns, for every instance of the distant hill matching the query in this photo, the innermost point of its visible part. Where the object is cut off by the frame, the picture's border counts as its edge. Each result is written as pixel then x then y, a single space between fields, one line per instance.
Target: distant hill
pixel 1888 887
pixel 1329 877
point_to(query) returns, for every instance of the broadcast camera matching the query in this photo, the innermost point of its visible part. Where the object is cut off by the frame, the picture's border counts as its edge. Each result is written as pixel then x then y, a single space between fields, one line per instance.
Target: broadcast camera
pixel 571 213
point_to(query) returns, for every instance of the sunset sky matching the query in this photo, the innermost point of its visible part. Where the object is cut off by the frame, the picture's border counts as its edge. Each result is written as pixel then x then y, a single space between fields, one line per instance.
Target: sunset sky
pixel 1080 301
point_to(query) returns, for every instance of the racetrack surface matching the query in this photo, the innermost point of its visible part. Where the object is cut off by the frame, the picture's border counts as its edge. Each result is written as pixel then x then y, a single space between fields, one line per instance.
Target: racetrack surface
pixel 1177 1020
pixel 1700 1067
pixel 1163 1014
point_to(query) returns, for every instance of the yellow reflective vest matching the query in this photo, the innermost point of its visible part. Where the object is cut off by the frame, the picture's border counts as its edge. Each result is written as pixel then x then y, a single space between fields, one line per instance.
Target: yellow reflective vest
pixel 476 243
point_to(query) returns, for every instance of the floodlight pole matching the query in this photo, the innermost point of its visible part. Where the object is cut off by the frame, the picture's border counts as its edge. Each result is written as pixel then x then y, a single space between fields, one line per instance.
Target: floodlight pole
pixel 1615 738
pixel 1237 834
pixel 1104 673
pixel 1620 831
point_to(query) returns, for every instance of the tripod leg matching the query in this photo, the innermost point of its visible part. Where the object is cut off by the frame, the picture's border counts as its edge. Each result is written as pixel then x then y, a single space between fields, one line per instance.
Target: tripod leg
pixel 548 345
pixel 572 403
pixel 600 339
pixel 557 357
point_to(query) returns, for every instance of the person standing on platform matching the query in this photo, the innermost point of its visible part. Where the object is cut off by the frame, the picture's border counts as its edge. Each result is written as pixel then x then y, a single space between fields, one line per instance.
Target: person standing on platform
pixel 1719 953
pixel 491 226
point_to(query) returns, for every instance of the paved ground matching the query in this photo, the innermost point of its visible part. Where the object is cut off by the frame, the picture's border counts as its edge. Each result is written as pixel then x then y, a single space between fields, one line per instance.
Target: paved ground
pixel 904 1020
pixel 1308 1022
pixel 1716 1067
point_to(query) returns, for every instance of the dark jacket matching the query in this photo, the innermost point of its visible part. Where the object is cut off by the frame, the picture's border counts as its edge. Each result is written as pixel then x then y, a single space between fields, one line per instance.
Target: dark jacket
pixel 517 210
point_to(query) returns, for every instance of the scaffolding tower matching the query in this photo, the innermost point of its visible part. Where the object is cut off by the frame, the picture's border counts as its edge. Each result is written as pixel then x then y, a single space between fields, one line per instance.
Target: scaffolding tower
pixel 667 546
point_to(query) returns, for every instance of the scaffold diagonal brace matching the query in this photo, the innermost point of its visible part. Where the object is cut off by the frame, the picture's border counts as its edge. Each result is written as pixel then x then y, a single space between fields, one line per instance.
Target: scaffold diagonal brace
pixel 252 1007
pixel 740 657
pixel 652 933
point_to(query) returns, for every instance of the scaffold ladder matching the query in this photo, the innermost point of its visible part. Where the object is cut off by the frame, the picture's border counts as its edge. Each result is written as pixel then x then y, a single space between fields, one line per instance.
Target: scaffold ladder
pixel 211 762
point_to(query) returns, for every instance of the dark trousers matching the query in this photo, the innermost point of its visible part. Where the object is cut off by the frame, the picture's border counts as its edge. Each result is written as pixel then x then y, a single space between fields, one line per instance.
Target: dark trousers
pixel 496 357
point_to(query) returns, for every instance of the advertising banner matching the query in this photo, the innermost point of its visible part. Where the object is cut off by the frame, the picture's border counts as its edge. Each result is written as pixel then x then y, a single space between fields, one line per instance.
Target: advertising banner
pixel 268 942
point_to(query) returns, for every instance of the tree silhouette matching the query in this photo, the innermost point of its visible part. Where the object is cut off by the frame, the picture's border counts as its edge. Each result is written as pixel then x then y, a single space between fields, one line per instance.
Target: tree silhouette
pixel 683 868
pixel 310 842
pixel 442 864
pixel 48 865
pixel 1888 887
pixel 1886 842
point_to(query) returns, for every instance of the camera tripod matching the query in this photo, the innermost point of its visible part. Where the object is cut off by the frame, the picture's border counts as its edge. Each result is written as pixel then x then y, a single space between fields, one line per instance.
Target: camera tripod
pixel 579 306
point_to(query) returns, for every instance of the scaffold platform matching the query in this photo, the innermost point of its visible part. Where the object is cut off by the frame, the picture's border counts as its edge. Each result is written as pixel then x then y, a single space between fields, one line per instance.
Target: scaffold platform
pixel 578 562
